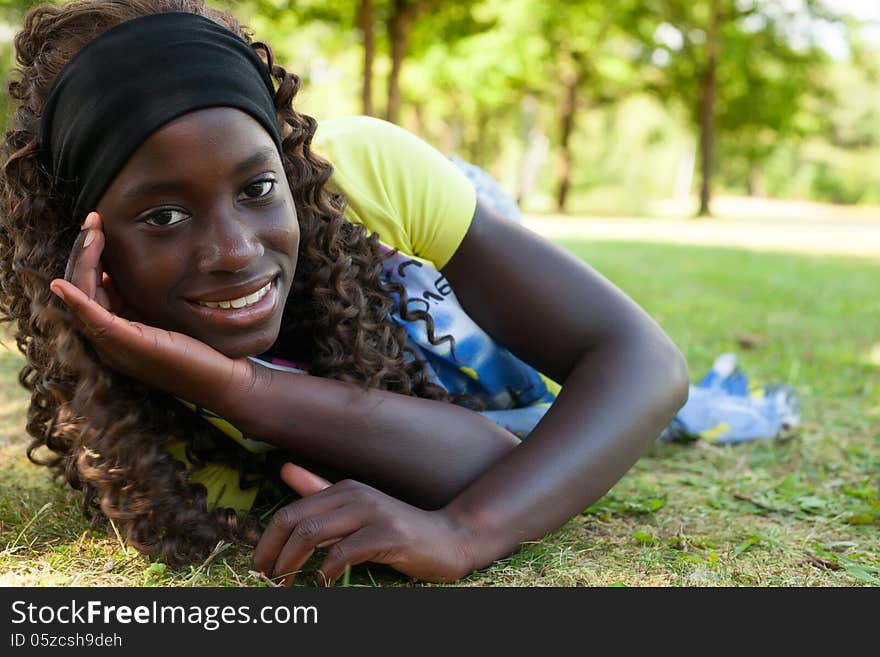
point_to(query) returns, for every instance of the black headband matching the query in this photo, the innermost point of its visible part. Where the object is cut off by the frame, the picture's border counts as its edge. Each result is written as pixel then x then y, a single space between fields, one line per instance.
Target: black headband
pixel 134 78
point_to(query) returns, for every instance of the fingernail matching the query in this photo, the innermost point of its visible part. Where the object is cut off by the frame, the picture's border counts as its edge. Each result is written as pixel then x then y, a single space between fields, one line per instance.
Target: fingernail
pixel 90 237
pixel 58 293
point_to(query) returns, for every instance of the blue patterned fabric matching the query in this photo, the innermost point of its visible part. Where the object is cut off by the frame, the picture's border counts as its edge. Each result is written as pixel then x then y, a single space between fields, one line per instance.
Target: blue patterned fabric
pixel 489 191
pixel 517 395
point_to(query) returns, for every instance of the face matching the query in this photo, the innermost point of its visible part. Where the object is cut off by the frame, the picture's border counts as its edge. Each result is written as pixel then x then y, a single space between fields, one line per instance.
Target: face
pixel 201 231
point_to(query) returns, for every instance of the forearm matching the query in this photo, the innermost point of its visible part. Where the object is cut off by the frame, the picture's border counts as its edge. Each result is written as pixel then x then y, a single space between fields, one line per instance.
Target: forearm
pixel 422 450
pixel 614 403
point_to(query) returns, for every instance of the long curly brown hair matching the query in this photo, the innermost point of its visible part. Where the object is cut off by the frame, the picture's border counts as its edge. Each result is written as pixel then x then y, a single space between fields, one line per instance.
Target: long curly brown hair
pixel 106 434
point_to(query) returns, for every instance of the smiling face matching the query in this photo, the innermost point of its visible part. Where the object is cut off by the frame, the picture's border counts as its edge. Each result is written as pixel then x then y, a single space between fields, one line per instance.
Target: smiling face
pixel 201 231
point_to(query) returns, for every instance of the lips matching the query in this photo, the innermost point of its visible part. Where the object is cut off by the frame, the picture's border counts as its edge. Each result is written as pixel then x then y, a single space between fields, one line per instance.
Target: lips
pixel 228 294
pixel 263 308
pixel 240 302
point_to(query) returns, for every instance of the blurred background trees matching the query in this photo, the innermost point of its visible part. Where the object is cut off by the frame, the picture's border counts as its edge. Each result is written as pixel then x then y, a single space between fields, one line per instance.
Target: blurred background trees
pixel 626 107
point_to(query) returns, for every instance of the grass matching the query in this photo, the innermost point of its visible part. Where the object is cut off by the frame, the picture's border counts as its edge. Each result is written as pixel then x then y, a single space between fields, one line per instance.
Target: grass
pixel 804 511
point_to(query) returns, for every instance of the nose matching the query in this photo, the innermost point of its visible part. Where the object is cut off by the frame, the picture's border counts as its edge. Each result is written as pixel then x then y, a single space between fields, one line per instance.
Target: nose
pixel 228 243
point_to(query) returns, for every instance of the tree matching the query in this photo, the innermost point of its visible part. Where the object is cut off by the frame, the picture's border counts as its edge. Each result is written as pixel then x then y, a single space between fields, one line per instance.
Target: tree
pixel 566 57
pixel 396 20
pixel 365 21
pixel 738 69
pixel 591 60
pixel 349 21
pixel 402 15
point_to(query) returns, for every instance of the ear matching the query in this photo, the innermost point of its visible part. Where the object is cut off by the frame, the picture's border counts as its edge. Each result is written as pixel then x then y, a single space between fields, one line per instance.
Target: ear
pixel 301 480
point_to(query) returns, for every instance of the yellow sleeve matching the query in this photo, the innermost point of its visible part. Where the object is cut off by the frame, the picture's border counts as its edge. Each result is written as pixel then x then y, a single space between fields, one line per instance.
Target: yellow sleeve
pixel 398 186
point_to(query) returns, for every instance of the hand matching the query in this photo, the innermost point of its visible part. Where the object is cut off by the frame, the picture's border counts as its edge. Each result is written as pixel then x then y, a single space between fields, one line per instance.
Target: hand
pixel 172 362
pixel 359 523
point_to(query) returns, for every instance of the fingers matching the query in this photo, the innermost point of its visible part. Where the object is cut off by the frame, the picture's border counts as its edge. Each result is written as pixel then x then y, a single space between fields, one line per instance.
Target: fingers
pixel 83 288
pixel 99 323
pixel 84 264
pixel 366 544
pixel 312 532
pixel 301 480
pixel 85 268
pixel 114 300
pixel 356 522
pixel 284 523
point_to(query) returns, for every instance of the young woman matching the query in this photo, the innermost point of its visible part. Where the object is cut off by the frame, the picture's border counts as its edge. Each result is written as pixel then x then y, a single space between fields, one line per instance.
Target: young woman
pixel 177 238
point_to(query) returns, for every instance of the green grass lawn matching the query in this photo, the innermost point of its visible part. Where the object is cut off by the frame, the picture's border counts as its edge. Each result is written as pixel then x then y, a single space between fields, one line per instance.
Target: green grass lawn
pixel 798 512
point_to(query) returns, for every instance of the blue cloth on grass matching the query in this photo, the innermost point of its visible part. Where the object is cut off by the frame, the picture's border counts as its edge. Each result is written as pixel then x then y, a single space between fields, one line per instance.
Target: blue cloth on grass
pixel 724 407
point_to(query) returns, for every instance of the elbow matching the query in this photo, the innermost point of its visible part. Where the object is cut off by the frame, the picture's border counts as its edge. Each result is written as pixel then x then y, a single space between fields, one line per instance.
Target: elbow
pixel 662 369
pixel 680 377
pixel 676 376
pixel 665 383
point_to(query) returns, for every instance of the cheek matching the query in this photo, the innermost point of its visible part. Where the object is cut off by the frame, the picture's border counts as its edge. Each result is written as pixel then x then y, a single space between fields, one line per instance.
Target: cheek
pixel 120 261
pixel 284 230
pixel 291 238
pixel 140 276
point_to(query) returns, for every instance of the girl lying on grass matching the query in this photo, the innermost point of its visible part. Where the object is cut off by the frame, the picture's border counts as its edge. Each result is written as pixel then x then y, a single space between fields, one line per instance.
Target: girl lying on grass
pixel 208 285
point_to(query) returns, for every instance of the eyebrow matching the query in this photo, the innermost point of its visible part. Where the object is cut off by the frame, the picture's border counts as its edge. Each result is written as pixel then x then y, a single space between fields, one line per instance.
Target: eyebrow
pixel 262 156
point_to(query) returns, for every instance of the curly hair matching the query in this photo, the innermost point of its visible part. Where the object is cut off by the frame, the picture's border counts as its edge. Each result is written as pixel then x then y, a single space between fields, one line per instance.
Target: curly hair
pixel 106 434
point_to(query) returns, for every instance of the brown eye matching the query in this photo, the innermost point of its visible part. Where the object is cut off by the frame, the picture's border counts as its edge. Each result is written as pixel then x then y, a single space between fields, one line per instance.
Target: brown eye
pixel 165 217
pixel 260 188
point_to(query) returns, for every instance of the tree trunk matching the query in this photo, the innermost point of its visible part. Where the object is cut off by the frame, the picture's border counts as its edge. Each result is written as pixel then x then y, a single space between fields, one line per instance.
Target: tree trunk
pixel 571 80
pixel 707 111
pixel 403 14
pixel 365 21
pixel 398 37
pixel 421 124
pixel 755 180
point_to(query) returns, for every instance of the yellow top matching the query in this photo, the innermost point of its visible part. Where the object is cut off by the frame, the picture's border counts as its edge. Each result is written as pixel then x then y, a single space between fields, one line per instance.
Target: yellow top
pixel 398 186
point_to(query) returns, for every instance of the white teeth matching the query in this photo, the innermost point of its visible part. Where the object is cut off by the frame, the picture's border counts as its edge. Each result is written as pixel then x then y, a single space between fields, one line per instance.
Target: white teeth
pixel 241 302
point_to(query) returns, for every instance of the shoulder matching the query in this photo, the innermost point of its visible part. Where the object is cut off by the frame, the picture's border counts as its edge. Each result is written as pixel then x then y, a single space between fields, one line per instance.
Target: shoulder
pixel 398 185
pixel 382 148
pixel 353 125
pixel 357 131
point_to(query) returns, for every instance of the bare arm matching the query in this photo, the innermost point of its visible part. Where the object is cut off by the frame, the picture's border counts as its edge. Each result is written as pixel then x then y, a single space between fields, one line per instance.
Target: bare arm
pixel 623 381
pixel 421 450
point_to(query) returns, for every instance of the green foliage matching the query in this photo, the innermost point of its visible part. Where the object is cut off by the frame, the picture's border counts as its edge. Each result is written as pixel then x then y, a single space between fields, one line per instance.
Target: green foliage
pixel 11 14
pixel 832 185
pixel 485 78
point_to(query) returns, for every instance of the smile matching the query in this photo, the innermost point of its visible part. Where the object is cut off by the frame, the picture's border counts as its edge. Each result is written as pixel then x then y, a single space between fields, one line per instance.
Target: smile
pixel 243 313
pixel 240 302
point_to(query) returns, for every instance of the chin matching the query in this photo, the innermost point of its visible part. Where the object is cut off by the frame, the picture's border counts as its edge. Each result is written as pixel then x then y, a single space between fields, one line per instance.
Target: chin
pixel 242 349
